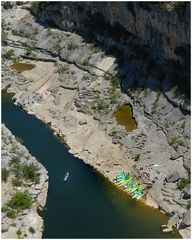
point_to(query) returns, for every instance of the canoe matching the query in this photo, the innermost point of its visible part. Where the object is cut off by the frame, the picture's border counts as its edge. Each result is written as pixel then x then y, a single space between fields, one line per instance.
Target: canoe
pixel 125 182
pixel 140 195
pixel 137 193
pixel 130 184
pixel 135 188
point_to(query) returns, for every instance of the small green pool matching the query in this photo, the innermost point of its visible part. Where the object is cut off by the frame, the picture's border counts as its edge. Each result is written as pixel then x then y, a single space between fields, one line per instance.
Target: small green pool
pixel 124 117
pixel 21 67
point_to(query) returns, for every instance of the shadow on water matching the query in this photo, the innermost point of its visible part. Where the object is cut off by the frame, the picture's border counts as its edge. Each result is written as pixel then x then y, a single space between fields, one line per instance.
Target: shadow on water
pixel 86 206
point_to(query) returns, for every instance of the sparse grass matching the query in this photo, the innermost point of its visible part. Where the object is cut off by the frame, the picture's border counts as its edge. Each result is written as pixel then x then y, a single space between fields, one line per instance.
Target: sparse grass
pixel 106 77
pixel 71 46
pixel 93 48
pixel 182 183
pixel 20 140
pixel 30 172
pixel 11 213
pixel 166 125
pixel 114 94
pixel 100 106
pixel 5 174
pixel 115 81
pixel 86 62
pixel 9 55
pixel 16 182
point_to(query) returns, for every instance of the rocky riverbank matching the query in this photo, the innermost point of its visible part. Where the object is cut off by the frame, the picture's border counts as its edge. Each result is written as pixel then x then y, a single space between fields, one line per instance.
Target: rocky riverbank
pixel 75 86
pixel 24 189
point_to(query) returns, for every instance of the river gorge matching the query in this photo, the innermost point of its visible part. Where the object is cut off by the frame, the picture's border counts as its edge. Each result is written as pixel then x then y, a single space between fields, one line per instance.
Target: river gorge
pixel 92 102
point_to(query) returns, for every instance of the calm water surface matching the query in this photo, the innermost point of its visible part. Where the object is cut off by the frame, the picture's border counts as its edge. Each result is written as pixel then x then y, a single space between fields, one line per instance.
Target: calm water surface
pixel 124 117
pixel 86 206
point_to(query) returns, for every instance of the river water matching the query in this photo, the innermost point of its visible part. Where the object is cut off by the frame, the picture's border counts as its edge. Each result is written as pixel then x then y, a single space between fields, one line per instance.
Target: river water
pixel 87 205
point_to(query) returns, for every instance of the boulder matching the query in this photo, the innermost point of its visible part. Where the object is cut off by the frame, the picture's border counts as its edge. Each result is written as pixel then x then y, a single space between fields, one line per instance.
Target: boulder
pixel 187 192
pixel 4 227
pixel 186 220
pixel 82 122
pixel 172 177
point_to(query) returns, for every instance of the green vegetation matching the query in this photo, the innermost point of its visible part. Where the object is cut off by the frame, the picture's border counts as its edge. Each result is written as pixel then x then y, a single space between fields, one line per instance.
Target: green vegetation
pixel 182 183
pixel 28 51
pixel 16 182
pixel 35 7
pixel 14 161
pixel 49 32
pixel 115 81
pixel 31 230
pixel 4 36
pixel 20 140
pixel 101 106
pixel 5 174
pixel 93 48
pixel 18 233
pixel 106 77
pixel 114 94
pixel 137 157
pixel 30 172
pixel 166 125
pixel 8 55
pixel 57 47
pixel 20 201
pixel 86 62
pixel 71 46
pixel 10 213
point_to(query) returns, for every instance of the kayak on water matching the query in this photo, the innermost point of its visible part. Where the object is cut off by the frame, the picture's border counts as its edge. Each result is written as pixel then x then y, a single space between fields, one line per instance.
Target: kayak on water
pixel 66 177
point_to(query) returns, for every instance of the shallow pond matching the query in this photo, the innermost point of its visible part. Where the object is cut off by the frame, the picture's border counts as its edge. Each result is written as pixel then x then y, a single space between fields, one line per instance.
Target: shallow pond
pixel 124 117
pixel 21 67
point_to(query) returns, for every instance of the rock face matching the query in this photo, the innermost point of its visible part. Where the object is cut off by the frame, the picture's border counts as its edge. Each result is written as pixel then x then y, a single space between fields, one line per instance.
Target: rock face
pixel 27 223
pixel 97 57
pixel 155 24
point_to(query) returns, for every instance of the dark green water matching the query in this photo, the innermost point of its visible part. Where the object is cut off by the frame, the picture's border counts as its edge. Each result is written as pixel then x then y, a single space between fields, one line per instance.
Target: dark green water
pixel 86 206
pixel 124 117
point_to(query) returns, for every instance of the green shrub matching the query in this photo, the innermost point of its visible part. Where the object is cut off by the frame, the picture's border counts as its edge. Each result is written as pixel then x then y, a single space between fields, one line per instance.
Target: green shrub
pixel 5 174
pixel 9 54
pixel 30 172
pixel 34 8
pixel 137 157
pixel 106 77
pixel 18 233
pixel 71 46
pixel 11 213
pixel 93 48
pixel 115 81
pixel 31 230
pixel 16 182
pixel 182 183
pixel 20 140
pixel 20 201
